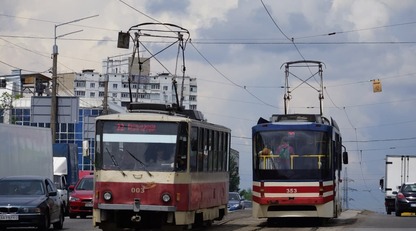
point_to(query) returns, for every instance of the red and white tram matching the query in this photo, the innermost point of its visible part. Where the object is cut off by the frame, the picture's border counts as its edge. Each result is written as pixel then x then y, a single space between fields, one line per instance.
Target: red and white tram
pixel 297 162
pixel 159 167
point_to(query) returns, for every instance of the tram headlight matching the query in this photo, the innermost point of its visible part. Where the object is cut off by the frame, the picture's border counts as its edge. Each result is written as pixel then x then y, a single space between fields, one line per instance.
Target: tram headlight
pixel 107 196
pixel 166 197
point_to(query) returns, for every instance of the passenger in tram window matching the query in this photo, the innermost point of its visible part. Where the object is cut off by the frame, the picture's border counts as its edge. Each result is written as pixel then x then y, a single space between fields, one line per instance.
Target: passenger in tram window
pixel 160 157
pixel 284 150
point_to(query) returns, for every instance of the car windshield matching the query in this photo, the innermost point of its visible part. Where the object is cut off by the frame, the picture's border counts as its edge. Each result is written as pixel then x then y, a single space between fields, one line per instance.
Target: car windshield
pixel 85 184
pixel 21 187
pixel 234 197
pixel 409 188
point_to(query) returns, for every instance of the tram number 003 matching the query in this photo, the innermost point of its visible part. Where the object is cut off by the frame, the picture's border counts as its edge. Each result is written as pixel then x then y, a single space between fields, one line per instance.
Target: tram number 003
pixel 137 190
pixel 291 190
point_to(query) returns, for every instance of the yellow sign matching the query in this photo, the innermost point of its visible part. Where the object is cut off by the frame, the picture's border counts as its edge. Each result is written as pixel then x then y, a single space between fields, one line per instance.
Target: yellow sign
pixel 376 85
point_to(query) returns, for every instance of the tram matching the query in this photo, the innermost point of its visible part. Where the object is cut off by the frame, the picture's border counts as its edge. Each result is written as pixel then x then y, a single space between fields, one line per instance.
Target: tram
pixel 297 158
pixel 158 167
pixel 297 162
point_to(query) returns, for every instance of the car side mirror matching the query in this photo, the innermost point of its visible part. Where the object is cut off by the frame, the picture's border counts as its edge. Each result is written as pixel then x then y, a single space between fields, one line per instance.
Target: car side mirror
pixel 71 188
pixel 53 193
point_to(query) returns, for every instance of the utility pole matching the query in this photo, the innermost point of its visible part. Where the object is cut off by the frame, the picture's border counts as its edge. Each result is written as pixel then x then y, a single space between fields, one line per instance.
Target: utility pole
pixel 54 101
pixel 105 101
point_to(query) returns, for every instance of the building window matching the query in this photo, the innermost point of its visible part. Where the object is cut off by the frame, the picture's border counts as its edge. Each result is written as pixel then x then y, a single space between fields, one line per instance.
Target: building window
pixel 115 86
pixel 115 95
pixel 92 94
pixel 155 86
pixel 92 85
pixel 124 95
pixel 165 88
pixel 2 83
pixel 192 98
pixel 100 94
pixel 80 93
pixel 101 84
pixel 80 84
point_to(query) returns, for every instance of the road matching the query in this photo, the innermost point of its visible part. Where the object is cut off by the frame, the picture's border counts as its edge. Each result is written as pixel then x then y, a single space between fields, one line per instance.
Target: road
pixel 243 221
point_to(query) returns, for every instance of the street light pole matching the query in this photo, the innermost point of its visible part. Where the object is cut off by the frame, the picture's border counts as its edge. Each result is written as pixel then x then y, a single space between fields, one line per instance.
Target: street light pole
pixel 54 102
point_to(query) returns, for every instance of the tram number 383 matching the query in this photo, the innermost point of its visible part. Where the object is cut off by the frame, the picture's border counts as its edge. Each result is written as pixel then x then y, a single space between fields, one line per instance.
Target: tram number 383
pixel 291 190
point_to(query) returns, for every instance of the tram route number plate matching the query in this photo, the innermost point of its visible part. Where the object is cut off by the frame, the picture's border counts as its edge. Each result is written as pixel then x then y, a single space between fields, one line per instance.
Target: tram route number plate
pixel 9 217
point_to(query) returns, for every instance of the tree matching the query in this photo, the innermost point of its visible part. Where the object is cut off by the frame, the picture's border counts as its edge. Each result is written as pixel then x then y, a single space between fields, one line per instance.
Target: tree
pixel 6 104
pixel 246 194
pixel 234 176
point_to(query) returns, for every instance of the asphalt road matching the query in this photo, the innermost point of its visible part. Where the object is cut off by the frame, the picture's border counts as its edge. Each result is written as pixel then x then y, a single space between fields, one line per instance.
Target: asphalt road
pixel 242 220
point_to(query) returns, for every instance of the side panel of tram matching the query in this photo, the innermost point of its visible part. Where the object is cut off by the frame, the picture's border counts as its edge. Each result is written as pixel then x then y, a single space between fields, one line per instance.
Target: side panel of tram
pixel 133 190
pixel 307 182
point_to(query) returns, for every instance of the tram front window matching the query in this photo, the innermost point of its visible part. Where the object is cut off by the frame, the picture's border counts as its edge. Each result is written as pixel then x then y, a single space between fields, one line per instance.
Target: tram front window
pixel 146 146
pixel 292 154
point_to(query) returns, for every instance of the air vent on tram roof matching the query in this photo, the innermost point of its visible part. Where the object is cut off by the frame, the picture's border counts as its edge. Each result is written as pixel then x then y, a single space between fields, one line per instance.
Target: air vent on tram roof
pixel 299 118
pixel 165 108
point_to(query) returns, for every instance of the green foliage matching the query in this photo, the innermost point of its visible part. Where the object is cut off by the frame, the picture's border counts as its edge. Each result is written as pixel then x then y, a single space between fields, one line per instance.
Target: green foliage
pixel 246 194
pixel 234 176
pixel 6 103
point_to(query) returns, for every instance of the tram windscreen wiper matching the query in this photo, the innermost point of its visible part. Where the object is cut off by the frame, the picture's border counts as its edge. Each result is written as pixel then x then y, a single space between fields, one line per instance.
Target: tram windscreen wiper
pixel 114 161
pixel 141 162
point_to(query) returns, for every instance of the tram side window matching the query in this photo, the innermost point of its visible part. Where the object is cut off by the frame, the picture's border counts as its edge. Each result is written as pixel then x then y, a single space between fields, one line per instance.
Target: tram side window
pixel 201 135
pixel 194 149
pixel 215 152
pixel 220 151
pixel 182 147
pixel 226 151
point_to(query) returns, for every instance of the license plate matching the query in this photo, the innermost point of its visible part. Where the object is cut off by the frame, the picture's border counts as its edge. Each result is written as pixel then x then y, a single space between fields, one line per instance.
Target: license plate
pixel 9 217
pixel 88 205
pixel 412 205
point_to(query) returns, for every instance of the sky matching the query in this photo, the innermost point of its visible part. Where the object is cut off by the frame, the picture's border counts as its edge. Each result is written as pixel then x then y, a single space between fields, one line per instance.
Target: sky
pixel 236 51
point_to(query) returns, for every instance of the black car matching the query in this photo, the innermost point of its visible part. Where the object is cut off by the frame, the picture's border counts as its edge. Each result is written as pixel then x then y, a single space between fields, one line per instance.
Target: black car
pixel 405 199
pixel 30 201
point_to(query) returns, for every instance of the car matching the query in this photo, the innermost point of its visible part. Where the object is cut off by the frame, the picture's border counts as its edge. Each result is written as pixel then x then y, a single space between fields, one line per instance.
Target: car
pixel 30 201
pixel 405 198
pixel 248 204
pixel 235 202
pixel 80 197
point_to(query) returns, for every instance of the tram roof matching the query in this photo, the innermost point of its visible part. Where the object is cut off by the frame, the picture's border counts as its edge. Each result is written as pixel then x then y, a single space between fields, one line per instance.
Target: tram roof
pixel 297 119
pixel 159 112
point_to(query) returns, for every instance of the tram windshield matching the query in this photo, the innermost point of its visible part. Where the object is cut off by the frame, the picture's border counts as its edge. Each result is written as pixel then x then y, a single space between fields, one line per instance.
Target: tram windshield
pixel 131 145
pixel 292 155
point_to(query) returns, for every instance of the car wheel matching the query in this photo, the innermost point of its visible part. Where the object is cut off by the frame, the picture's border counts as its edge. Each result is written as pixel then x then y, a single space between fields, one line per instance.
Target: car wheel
pixel 398 213
pixel 59 224
pixel 45 223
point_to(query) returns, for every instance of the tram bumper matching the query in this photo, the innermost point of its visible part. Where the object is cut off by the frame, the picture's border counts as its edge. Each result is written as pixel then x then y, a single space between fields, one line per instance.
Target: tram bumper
pixel 292 208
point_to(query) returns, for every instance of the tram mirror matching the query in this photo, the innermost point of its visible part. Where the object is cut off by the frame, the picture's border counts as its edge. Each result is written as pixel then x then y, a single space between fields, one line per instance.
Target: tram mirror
pixel 345 157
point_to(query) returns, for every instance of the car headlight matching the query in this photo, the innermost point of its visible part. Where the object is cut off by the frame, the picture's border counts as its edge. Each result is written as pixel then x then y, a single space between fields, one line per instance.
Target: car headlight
pixel 30 210
pixel 71 198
